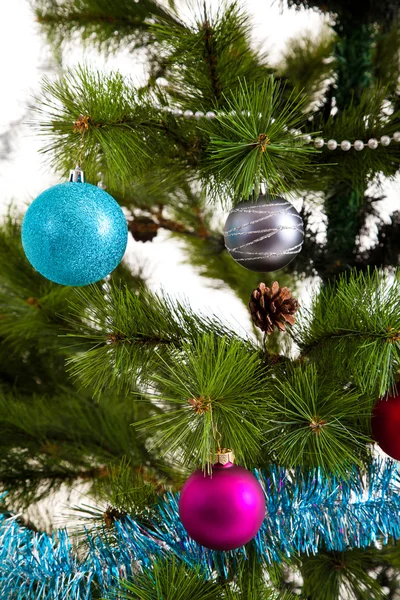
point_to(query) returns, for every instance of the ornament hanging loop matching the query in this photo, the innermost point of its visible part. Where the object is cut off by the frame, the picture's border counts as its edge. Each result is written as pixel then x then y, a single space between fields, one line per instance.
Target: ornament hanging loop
pixel 260 188
pixel 215 433
pixel 81 126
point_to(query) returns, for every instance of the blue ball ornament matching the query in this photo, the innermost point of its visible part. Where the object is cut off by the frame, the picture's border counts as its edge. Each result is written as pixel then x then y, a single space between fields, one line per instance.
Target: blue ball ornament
pixel 74 233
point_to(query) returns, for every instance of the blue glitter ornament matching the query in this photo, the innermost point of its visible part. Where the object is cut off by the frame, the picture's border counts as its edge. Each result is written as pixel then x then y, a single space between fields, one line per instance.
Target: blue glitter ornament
pixel 74 233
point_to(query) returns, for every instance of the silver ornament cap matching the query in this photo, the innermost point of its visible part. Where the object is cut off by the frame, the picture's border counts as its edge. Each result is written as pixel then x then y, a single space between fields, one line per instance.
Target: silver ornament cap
pixel 77 175
pixel 265 234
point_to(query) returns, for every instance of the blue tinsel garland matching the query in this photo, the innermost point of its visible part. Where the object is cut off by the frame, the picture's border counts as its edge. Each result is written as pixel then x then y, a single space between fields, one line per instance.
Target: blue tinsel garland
pixel 305 511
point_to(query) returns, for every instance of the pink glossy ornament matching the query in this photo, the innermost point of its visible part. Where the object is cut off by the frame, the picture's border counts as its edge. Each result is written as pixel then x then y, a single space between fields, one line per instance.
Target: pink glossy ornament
pixel 224 510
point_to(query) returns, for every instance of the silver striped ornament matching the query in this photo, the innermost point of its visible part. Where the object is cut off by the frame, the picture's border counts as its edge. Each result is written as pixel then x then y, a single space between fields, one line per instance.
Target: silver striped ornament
pixel 265 234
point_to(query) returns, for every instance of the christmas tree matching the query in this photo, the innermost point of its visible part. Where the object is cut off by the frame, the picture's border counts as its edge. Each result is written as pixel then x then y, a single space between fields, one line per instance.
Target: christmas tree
pixel 128 392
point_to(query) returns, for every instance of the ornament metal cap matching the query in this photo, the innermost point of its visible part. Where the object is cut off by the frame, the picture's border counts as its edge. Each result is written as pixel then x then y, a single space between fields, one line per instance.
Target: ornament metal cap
pixel 77 175
pixel 224 456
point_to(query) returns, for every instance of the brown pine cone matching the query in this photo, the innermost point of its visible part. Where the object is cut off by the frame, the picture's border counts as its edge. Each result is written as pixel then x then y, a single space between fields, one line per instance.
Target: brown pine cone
pixel 143 229
pixel 272 307
pixel 111 515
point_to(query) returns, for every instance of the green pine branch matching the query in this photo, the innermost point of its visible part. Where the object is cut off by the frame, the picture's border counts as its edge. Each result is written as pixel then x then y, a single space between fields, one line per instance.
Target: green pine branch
pixel 254 579
pixel 32 331
pixel 126 490
pixel 98 22
pixel 313 421
pixel 256 140
pixel 205 379
pixel 344 575
pixel 308 65
pixel 353 53
pixel 180 208
pixel 50 440
pixel 109 127
pixel 369 117
pixel 129 489
pixel 352 329
pixel 206 60
pixel 170 579
pixel 128 334
pixel 213 394
pixel 386 58
pixel 104 124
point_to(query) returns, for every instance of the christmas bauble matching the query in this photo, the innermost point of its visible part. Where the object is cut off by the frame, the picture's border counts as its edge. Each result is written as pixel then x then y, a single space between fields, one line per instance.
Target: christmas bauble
pixel 385 424
pixel 265 234
pixel 74 233
pixel 222 510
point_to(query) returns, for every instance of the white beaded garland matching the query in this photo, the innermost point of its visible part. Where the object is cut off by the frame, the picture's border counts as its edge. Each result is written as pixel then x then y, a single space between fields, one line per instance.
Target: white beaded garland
pixel 318 142
pixel 358 145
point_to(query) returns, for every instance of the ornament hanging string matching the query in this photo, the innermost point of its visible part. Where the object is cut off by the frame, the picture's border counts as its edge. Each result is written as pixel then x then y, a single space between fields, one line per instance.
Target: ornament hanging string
pixel 81 126
pixel 215 431
pixel 80 151
pixel 262 142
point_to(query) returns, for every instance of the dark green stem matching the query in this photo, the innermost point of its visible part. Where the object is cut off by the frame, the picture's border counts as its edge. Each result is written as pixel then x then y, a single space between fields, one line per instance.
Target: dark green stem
pixel 353 53
pixel 345 220
pixel 343 204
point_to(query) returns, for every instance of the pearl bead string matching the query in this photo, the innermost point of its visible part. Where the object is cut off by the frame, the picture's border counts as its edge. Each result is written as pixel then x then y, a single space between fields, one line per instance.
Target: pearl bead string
pixel 319 142
pixel 358 145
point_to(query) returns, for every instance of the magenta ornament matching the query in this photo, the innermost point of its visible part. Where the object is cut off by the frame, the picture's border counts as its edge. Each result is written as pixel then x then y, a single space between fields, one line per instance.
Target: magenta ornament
pixel 222 510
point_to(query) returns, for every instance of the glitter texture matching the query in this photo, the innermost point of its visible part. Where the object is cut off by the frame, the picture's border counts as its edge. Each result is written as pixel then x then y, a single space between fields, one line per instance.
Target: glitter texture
pixel 306 511
pixel 74 233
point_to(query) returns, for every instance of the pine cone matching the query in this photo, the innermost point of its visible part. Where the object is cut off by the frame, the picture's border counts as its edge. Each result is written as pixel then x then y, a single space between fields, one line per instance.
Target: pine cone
pixel 143 229
pixel 272 307
pixel 113 514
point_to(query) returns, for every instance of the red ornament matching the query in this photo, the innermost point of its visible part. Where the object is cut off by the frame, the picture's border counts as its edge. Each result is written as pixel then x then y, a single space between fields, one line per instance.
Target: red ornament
pixel 385 424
